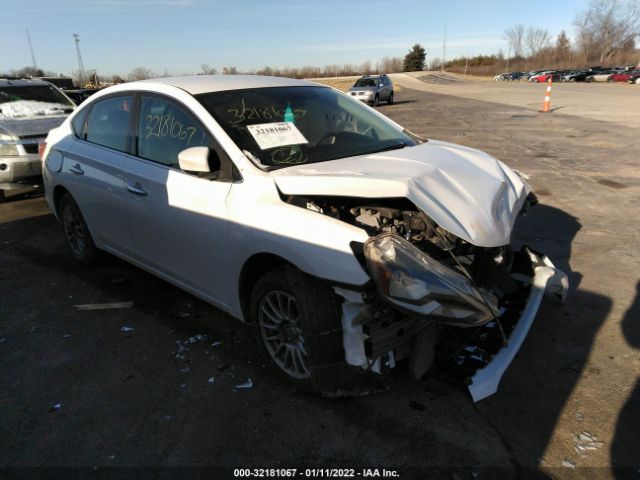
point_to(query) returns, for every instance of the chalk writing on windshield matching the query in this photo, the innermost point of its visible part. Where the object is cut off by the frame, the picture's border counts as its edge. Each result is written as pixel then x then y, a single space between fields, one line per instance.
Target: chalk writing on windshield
pixel 288 156
pixel 271 112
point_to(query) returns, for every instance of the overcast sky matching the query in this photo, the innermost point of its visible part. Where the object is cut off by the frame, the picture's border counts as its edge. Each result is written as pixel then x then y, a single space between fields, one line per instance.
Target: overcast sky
pixel 177 36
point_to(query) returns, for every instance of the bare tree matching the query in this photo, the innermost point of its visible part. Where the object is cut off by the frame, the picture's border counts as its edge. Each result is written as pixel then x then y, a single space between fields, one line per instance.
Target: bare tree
pixel 536 39
pixel 515 37
pixel 140 73
pixel 207 70
pixel 607 26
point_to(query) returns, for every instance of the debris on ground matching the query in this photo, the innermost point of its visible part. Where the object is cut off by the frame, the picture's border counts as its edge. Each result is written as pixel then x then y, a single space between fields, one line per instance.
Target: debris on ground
pixel 579 417
pixel 248 383
pixel 569 464
pixel 103 306
pixel 33 329
pixel 217 343
pixel 127 329
pixel 183 385
pixel 585 442
pixel 184 370
pixel 55 407
pixel 211 380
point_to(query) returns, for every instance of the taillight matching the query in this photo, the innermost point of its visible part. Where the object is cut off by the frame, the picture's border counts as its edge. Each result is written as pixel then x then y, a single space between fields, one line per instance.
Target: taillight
pixel 41 147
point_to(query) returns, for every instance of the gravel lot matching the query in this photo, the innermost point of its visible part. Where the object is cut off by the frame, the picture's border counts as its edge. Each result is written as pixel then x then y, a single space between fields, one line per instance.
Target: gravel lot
pixel 126 400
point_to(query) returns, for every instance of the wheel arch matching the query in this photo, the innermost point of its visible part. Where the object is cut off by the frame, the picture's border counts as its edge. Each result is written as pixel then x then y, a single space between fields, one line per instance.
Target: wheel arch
pixel 252 269
pixel 58 193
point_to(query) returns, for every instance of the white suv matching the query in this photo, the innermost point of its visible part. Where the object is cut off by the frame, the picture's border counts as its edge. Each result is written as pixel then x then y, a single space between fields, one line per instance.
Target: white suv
pixel 345 241
pixel 28 110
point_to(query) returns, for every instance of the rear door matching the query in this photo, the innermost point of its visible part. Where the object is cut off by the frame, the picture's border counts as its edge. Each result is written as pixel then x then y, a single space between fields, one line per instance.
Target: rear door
pixel 93 171
pixel 178 220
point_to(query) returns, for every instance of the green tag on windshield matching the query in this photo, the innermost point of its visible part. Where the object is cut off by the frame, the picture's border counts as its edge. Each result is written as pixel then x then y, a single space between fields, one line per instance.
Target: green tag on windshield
pixel 288 114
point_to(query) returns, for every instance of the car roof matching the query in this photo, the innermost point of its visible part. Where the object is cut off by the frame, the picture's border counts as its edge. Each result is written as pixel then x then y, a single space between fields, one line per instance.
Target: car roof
pixel 196 84
pixel 5 82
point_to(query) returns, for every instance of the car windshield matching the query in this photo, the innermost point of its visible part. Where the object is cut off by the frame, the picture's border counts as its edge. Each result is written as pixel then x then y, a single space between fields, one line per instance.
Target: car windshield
pixel 366 82
pixel 32 100
pixel 284 126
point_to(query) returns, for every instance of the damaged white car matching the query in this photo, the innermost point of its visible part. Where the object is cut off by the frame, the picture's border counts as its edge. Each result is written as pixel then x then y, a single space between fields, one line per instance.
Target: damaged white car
pixel 351 245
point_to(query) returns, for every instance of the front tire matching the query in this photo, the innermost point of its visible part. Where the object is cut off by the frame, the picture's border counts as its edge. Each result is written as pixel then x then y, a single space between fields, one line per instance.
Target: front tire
pixel 297 321
pixel 376 101
pixel 390 100
pixel 76 232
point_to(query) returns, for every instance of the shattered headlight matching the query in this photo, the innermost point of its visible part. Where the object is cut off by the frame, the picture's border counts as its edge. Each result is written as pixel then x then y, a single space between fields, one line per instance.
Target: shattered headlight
pixel 413 281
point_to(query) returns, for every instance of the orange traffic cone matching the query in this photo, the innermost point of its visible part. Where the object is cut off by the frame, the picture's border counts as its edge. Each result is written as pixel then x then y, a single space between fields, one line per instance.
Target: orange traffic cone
pixel 547 98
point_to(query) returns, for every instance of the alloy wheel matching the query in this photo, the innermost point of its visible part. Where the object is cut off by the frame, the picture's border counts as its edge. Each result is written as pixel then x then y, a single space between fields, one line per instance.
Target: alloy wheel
pixel 74 230
pixel 279 323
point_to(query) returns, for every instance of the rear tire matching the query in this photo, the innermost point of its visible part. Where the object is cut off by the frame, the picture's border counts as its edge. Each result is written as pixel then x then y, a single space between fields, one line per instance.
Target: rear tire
pixel 376 101
pixel 297 321
pixel 76 232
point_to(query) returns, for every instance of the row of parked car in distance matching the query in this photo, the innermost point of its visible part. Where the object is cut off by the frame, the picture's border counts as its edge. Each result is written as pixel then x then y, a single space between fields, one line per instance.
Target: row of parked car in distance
pixel 630 74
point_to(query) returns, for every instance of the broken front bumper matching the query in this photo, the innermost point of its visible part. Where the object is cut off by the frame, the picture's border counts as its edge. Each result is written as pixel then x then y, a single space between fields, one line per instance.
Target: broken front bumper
pixel 546 280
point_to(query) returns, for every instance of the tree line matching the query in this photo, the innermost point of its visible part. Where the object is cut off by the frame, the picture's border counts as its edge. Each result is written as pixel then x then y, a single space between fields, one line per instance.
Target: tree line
pixel 605 35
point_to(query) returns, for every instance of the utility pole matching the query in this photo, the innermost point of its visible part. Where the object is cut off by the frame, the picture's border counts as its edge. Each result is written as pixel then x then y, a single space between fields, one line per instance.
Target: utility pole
pixel 466 63
pixel 33 57
pixel 508 56
pixel 81 73
pixel 444 49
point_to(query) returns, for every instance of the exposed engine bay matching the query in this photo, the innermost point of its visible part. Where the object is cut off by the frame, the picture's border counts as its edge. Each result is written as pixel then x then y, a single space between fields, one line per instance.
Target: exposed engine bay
pixel 440 301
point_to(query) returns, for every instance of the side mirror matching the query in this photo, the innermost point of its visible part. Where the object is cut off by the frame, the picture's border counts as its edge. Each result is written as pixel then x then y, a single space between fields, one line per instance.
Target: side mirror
pixel 194 159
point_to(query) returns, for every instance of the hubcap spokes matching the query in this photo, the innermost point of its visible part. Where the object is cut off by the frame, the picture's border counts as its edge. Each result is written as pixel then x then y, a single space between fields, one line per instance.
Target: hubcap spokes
pixel 279 323
pixel 73 230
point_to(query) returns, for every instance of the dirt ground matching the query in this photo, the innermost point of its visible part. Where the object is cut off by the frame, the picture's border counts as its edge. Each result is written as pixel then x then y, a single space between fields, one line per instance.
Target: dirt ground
pixel 78 391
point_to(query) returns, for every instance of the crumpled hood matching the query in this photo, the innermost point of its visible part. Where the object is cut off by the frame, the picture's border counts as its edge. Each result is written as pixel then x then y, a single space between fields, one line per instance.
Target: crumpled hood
pixel 31 125
pixel 465 191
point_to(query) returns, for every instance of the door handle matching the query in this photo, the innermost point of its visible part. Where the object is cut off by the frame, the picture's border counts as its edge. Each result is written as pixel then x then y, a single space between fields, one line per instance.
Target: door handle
pixel 136 189
pixel 77 169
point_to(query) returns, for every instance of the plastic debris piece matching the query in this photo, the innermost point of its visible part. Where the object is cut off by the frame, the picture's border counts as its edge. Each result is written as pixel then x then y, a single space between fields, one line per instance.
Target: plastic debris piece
pixel 167 417
pixel 2 340
pixel 103 306
pixel 127 329
pixel 217 343
pixel 211 380
pixel 248 383
pixel 184 370
pixel 579 417
pixel 569 464
pixel 183 385
pixel 55 407
pixel 33 329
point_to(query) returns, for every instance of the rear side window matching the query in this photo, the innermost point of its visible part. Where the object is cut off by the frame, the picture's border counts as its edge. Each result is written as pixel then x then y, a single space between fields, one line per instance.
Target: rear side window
pixel 165 129
pixel 77 124
pixel 108 123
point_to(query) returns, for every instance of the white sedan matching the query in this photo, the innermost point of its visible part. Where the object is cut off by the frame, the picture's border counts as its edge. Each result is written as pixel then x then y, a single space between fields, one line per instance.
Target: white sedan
pixel 600 76
pixel 347 242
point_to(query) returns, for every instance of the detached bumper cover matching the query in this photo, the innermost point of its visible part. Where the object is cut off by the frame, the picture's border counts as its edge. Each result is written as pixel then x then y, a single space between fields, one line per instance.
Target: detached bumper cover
pixel 546 280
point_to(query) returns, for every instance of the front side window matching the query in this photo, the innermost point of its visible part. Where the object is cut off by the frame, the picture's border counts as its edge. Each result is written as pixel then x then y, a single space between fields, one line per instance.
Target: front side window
pixel 164 130
pixel 286 126
pixel 108 123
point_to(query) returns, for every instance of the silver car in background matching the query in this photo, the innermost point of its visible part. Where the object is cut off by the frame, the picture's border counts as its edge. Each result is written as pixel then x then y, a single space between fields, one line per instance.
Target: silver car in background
pixel 28 110
pixel 373 89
